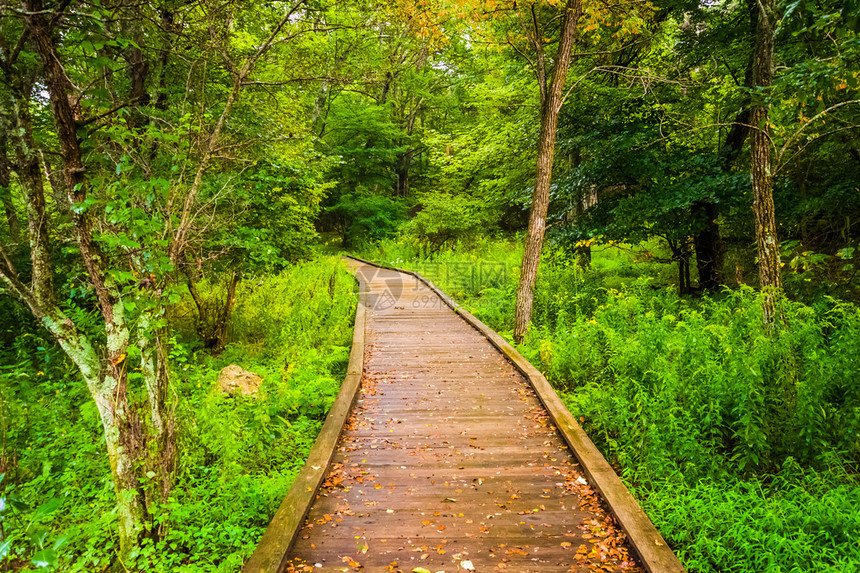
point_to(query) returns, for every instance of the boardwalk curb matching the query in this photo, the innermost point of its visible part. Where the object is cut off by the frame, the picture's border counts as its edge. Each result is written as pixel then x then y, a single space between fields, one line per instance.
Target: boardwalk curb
pixel 271 553
pixel 653 552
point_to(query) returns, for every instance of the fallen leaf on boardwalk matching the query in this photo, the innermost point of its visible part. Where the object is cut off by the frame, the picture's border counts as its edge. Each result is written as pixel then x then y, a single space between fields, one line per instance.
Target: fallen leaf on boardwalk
pixel 350 561
pixel 421 570
pixel 516 552
pixel 565 544
pixel 449 500
pixel 467 565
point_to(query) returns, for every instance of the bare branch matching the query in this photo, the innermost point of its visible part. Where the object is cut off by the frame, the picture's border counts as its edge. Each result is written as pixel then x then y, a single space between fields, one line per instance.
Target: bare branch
pixel 212 143
pixel 812 120
pixel 9 275
pixel 113 110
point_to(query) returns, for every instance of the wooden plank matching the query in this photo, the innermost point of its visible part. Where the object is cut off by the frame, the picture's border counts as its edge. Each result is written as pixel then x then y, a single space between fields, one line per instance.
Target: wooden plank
pixel 514 553
pixel 271 553
pixel 653 552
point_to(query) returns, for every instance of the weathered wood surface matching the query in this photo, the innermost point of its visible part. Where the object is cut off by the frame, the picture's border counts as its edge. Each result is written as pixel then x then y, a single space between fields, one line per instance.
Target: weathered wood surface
pixel 449 459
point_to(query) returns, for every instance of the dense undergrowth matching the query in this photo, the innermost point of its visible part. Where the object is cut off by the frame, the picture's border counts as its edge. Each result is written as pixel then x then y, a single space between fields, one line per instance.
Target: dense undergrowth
pixel 742 444
pixel 238 455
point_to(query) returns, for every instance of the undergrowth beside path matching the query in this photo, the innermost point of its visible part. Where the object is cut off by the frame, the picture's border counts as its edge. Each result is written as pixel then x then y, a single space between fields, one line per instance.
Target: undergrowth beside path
pixel 237 456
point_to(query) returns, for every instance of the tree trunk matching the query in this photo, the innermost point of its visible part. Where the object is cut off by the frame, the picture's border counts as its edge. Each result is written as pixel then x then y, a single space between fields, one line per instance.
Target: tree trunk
pixel 12 222
pixel 106 372
pixel 551 100
pixel 222 317
pixel 58 186
pixel 709 245
pixel 401 174
pixel 30 178
pixel 583 256
pixel 213 315
pixel 760 171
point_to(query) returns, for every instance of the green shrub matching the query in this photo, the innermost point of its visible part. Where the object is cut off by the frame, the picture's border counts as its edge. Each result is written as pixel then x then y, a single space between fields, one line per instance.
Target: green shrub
pixel 445 219
pixel 361 218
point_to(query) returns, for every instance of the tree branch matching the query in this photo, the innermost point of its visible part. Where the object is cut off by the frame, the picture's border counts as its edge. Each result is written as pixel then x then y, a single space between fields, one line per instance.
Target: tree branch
pixel 188 206
pixel 114 109
pixel 797 133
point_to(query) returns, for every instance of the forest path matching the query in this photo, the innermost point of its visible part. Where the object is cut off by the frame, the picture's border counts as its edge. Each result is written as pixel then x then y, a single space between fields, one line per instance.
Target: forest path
pixel 448 460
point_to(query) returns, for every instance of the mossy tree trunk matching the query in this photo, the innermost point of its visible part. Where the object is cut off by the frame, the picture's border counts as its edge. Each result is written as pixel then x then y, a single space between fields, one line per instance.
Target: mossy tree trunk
pixel 767 243
pixel 138 436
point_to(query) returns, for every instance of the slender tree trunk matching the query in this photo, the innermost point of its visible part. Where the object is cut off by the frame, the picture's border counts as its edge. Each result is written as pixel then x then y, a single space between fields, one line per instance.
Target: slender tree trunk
pixel 583 256
pixel 709 245
pixel 12 222
pixel 551 100
pixel 30 178
pixel 138 72
pixel 688 286
pixel 220 327
pixel 212 315
pixel 760 149
pixel 58 186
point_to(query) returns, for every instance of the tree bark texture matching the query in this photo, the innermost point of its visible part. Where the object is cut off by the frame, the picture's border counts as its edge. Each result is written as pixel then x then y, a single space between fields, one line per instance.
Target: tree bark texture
pixel 551 100
pixel 128 440
pixel 767 242
pixel 13 225
pixel 30 177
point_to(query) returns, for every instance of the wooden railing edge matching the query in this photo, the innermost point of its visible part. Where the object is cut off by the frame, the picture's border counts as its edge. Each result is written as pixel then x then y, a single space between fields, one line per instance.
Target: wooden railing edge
pixel 653 551
pixel 270 555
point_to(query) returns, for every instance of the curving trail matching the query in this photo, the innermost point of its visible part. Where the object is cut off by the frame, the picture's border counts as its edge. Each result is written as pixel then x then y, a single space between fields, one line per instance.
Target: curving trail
pixel 448 460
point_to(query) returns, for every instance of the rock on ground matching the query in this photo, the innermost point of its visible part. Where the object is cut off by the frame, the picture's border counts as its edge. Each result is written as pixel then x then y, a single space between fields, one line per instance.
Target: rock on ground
pixel 234 378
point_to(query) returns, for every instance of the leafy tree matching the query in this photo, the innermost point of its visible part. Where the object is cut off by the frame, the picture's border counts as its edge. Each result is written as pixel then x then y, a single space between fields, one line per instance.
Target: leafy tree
pixel 445 219
pixel 364 217
pixel 135 197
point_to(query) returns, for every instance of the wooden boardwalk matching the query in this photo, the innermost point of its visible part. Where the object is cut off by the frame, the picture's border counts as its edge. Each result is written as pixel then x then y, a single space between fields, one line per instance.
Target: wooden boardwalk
pixel 448 461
